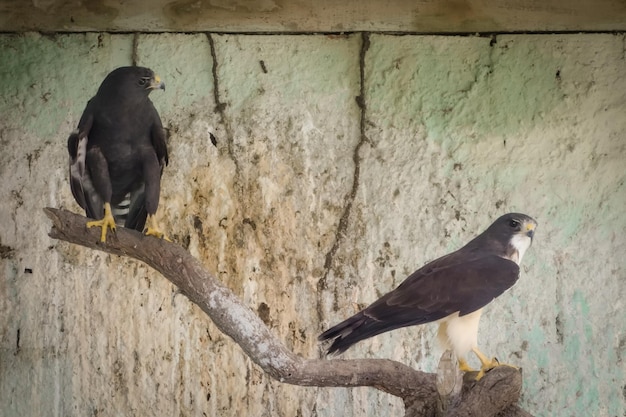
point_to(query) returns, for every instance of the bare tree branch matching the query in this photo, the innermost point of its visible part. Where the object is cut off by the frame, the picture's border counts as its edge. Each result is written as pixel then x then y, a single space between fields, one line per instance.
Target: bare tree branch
pixel 496 393
pixel 502 390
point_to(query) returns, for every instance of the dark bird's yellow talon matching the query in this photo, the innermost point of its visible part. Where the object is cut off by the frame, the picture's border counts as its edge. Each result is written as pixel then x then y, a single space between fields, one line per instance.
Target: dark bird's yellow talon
pixel 152 229
pixel 107 222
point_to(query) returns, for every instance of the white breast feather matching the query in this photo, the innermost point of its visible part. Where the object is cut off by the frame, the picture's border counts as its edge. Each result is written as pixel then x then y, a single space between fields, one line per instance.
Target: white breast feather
pixel 520 242
pixel 461 332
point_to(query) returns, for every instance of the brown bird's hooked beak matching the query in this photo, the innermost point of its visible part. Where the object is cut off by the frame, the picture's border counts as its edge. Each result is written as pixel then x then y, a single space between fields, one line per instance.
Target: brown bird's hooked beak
pixel 530 230
pixel 156 83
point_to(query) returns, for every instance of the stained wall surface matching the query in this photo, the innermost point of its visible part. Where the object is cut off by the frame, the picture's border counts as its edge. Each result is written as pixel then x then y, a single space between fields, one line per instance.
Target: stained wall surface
pixel 254 16
pixel 311 174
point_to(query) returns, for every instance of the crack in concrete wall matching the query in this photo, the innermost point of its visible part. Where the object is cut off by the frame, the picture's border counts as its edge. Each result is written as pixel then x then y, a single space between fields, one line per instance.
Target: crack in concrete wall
pixel 349 199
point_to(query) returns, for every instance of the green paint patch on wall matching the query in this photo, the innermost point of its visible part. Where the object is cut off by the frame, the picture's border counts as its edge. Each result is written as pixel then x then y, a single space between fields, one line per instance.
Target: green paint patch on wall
pixel 492 89
pixel 536 347
pixel 291 69
pixel 582 386
pixel 184 63
pixel 45 78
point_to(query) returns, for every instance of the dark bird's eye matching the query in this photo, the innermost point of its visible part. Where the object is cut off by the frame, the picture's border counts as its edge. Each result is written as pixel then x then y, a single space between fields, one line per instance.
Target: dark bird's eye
pixel 143 81
pixel 514 223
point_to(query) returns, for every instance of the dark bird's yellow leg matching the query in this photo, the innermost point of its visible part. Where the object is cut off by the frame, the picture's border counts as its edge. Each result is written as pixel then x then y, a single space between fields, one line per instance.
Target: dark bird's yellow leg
pixel 107 222
pixel 152 228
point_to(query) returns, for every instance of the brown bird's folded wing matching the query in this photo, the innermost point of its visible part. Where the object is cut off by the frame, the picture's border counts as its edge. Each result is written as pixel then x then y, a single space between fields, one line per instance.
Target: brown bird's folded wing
pixel 458 282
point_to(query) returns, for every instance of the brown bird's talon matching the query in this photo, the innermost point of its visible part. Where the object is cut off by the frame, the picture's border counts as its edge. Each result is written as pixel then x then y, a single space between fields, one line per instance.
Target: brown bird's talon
pixel 480 374
pixel 464 366
pixel 469 377
pixel 484 371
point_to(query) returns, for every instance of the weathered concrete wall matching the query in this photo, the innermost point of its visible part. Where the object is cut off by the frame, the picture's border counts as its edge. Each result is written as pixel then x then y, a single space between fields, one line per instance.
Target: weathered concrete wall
pixel 307 213
pixel 246 16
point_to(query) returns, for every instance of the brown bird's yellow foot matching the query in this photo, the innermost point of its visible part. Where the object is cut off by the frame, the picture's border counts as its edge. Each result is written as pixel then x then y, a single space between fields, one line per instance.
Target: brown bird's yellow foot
pixel 107 222
pixel 486 367
pixel 152 229
pixel 492 365
pixel 469 373
pixel 487 364
pixel 464 366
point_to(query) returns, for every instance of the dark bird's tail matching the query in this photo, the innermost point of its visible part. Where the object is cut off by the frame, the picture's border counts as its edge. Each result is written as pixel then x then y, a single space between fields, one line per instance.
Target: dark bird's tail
pixel 131 211
pixel 351 331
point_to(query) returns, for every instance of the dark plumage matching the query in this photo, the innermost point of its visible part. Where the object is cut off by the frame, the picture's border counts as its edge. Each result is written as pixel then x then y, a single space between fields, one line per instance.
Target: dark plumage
pixel 118 152
pixel 447 289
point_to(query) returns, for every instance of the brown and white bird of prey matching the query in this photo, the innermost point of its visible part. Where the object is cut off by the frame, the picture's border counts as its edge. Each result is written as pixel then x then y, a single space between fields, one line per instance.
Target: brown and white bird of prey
pixel 118 152
pixel 450 291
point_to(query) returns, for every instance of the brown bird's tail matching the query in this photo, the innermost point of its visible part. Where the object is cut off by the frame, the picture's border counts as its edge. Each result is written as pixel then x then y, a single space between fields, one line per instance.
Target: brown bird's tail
pixel 351 331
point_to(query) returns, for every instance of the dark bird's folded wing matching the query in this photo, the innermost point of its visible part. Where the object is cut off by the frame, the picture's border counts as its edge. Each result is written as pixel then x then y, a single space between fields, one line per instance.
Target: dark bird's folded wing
pixel 139 198
pixel 159 139
pixel 80 178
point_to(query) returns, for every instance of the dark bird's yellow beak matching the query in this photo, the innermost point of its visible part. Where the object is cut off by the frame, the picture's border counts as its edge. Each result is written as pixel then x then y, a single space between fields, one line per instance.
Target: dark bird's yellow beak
pixel 156 83
pixel 530 230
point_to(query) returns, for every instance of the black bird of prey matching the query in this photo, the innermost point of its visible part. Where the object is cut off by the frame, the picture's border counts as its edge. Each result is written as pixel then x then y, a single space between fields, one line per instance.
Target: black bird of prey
pixel 118 152
pixel 450 291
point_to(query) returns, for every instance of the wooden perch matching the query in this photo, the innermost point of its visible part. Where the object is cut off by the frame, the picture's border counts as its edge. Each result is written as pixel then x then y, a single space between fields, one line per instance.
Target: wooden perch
pixel 495 394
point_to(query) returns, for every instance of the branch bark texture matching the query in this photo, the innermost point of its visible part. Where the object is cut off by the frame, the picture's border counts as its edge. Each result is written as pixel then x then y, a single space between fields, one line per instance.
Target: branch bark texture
pixel 495 394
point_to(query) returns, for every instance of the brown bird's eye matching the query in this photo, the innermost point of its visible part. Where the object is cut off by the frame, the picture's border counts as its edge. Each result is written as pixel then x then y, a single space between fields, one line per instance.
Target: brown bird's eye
pixel 514 223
